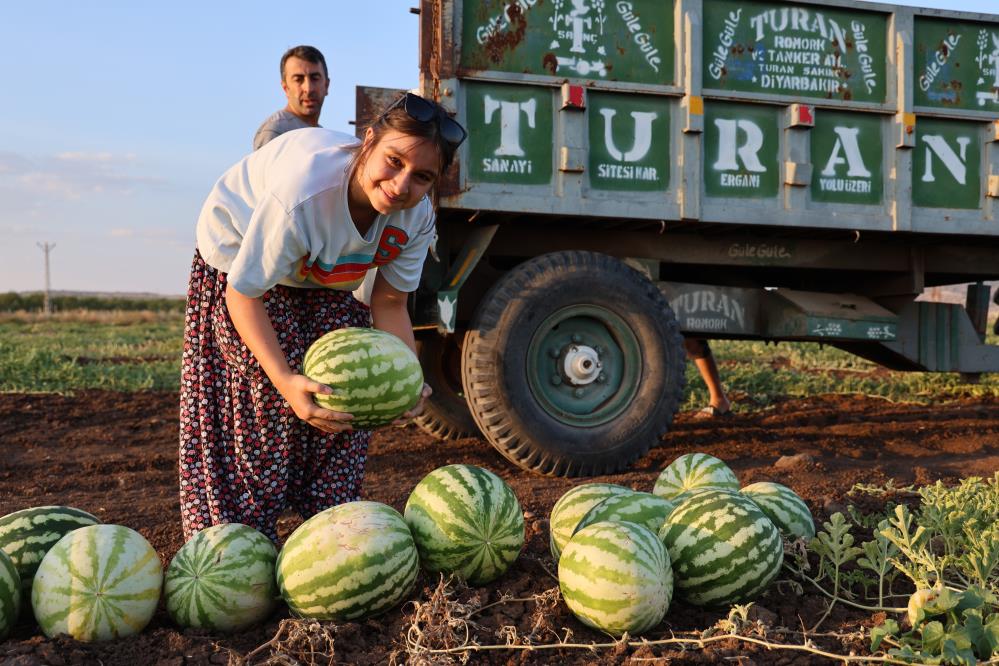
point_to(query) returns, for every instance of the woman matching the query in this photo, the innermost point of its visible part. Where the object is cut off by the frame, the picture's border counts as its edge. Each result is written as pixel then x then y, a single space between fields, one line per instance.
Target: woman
pixel 284 237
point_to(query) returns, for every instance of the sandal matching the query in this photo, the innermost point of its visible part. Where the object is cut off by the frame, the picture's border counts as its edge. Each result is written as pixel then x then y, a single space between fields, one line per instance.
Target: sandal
pixel 711 412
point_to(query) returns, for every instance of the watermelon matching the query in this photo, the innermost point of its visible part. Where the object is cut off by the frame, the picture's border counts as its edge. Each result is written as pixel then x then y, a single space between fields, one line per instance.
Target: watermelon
pixel 465 520
pixel 348 562
pixel 373 374
pixel 572 506
pixel 222 579
pixel 644 509
pixel 26 536
pixel 724 550
pixel 783 506
pixel 97 583
pixel 616 577
pixel 694 471
pixel 10 594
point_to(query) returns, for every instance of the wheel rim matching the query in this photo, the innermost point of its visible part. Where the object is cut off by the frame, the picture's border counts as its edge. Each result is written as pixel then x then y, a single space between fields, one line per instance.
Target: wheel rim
pixel 584 365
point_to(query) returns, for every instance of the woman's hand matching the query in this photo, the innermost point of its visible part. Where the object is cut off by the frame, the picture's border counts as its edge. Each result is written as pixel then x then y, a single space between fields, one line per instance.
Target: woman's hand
pixel 298 390
pixel 417 408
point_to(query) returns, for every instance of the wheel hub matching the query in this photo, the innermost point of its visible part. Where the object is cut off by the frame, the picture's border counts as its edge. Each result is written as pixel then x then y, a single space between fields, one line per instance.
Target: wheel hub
pixel 581 365
pixel 584 365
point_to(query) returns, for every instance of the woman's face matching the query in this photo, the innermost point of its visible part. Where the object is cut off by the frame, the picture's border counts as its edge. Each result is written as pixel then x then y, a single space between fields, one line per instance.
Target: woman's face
pixel 398 171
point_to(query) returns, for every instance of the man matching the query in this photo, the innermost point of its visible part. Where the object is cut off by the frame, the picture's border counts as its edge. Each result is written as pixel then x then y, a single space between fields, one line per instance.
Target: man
pixel 699 352
pixel 306 83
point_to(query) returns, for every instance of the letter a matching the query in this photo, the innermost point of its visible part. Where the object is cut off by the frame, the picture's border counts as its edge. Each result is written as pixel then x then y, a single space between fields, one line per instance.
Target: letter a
pixel 846 142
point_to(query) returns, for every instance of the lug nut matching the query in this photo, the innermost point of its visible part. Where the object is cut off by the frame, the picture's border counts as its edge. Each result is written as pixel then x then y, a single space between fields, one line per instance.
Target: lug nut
pixel 556 380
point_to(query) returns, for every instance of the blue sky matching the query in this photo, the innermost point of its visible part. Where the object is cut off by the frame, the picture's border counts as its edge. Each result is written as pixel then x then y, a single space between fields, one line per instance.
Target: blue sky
pixel 117 118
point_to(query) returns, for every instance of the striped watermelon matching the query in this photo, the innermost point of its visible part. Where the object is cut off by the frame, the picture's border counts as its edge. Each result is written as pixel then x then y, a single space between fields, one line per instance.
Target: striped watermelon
pixel 97 583
pixel 348 562
pixel 572 506
pixel 783 506
pixel 10 594
pixel 616 577
pixel 222 579
pixel 724 550
pixel 465 520
pixel 373 374
pixel 692 471
pixel 644 509
pixel 26 536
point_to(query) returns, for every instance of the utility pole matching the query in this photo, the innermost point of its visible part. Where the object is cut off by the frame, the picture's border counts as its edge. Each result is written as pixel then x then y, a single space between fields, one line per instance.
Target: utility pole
pixel 46 248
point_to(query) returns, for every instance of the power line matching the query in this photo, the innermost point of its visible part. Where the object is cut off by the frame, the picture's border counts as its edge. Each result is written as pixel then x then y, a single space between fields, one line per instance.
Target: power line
pixel 46 248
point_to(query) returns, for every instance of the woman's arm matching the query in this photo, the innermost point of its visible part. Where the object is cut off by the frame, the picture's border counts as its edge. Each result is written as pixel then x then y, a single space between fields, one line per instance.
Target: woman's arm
pixel 389 313
pixel 254 326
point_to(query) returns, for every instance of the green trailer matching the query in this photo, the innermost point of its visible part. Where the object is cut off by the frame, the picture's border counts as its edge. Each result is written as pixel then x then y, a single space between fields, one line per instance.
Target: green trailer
pixel 641 170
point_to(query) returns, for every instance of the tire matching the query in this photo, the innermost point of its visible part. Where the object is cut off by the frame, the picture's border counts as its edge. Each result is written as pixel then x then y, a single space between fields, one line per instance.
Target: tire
pixel 574 365
pixel 445 413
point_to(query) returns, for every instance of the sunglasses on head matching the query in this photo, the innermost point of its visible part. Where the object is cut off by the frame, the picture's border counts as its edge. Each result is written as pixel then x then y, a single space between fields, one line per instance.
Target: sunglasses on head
pixel 424 111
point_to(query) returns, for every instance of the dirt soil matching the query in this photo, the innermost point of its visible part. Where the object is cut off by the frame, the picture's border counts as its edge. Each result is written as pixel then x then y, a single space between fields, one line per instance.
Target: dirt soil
pixel 115 455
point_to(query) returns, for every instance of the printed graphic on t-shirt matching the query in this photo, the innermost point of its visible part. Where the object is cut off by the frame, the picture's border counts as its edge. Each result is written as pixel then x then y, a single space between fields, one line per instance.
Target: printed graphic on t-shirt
pixel 349 270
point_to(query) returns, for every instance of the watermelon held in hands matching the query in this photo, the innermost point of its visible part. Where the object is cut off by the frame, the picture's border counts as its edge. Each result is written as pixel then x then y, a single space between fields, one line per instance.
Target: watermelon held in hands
pixel 465 520
pixel 97 583
pixel 10 594
pixel 373 374
pixel 222 579
pixel 348 562
pixel 26 536
pixel 616 577
pixel 724 550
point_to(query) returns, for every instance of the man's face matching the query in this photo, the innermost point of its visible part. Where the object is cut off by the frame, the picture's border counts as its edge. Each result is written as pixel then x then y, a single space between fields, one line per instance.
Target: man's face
pixel 306 86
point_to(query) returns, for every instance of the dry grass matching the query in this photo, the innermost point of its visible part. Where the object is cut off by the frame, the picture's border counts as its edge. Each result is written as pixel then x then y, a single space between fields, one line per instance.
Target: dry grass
pixel 297 642
pixel 108 317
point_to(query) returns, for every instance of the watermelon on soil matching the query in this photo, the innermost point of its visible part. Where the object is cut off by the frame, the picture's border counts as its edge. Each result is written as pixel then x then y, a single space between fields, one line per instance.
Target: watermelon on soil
pixel 222 579
pixel 572 506
pixel 97 583
pixel 348 562
pixel 616 577
pixel 693 471
pixel 373 374
pixel 465 520
pixel 26 536
pixel 724 550
pixel 10 594
pixel 644 509
pixel 783 506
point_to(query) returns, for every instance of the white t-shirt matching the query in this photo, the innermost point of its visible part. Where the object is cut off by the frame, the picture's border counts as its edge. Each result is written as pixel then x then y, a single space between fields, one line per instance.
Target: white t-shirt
pixel 280 216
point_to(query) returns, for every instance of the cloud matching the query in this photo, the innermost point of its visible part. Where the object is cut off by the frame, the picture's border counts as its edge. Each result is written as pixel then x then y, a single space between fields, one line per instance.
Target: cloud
pixel 13 163
pixel 71 176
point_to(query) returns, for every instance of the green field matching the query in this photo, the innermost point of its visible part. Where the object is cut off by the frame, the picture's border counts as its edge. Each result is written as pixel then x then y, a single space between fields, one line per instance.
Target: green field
pixel 131 351
pixel 118 351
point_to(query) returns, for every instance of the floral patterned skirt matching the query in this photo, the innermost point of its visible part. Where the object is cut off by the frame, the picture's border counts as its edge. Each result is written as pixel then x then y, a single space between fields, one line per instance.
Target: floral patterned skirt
pixel 244 455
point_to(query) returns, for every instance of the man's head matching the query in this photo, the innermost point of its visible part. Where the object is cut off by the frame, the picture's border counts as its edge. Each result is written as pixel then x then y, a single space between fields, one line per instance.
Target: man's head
pixel 305 81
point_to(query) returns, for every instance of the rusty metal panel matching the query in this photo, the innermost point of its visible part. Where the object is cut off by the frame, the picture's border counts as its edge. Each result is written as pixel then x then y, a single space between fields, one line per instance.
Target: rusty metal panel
pixel 956 64
pixel 629 41
pixel 369 102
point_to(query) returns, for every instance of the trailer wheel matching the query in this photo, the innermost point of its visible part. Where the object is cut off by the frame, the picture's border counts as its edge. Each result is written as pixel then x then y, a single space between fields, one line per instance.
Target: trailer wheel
pixel 445 414
pixel 574 365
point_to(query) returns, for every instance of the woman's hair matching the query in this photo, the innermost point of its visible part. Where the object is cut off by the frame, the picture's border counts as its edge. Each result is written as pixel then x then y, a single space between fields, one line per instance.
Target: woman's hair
pixel 396 118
